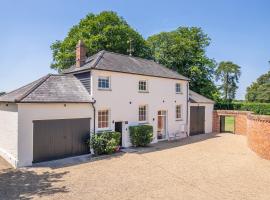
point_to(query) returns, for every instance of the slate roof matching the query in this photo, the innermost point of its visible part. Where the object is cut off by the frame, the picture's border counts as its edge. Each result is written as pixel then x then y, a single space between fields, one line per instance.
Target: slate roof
pixel 110 61
pixel 50 88
pixel 197 98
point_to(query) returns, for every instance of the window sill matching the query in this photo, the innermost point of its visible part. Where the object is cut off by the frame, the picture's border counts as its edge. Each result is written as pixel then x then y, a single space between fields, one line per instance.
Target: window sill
pixel 178 119
pixel 144 122
pixel 143 91
pixel 103 129
pixel 179 92
pixel 104 89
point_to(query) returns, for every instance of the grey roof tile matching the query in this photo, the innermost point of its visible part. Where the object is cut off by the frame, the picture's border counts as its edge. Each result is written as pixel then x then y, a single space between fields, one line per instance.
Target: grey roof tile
pixel 51 88
pixel 109 61
pixel 197 98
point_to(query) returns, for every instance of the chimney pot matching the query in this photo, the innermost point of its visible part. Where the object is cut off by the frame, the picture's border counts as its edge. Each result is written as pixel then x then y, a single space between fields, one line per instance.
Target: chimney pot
pixel 80 53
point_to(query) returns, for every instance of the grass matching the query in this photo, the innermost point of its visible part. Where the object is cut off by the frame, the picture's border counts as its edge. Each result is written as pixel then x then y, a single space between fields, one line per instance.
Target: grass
pixel 229 124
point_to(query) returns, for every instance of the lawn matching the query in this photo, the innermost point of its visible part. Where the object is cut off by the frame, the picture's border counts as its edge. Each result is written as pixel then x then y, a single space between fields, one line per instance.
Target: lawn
pixel 229 124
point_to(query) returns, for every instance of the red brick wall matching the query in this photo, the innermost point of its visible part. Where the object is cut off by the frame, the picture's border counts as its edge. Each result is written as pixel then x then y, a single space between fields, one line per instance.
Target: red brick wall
pixel 240 120
pixel 258 135
pixel 255 127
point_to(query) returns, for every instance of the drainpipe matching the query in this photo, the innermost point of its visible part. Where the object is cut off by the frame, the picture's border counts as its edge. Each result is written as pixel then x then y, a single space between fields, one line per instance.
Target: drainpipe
pixel 187 108
pixel 94 109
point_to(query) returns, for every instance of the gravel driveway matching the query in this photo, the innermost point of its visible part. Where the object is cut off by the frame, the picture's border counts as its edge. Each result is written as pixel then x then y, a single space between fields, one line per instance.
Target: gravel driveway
pixel 200 167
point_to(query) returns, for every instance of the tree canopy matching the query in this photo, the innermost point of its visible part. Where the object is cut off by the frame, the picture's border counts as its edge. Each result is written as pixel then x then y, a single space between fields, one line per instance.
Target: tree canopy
pixel 259 91
pixel 184 50
pixel 228 73
pixel 2 93
pixel 104 31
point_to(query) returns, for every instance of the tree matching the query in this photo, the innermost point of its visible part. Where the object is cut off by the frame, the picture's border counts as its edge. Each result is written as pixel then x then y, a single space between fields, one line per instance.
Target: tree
pixel 228 73
pixel 104 31
pixel 184 50
pixel 259 91
pixel 2 93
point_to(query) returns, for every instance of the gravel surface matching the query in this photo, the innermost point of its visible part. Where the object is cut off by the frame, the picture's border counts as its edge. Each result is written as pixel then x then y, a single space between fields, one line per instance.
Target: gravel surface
pixel 200 167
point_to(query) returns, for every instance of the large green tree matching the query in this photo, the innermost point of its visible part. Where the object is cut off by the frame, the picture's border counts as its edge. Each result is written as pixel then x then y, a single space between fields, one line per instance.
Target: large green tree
pixel 259 91
pixel 104 31
pixel 228 73
pixel 2 93
pixel 184 50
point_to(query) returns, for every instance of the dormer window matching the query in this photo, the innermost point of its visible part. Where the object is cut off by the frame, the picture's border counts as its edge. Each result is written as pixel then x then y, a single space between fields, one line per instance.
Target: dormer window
pixel 178 88
pixel 104 83
pixel 143 87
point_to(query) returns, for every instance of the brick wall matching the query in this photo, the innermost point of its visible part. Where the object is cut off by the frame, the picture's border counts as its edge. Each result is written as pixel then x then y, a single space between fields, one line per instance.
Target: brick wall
pixel 258 135
pixel 240 120
pixel 255 127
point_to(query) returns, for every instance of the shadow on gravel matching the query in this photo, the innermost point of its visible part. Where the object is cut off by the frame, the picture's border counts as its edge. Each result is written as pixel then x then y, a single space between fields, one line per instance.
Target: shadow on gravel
pixel 174 143
pixel 23 184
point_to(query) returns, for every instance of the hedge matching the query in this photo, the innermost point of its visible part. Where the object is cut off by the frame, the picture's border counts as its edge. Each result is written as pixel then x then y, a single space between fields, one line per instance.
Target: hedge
pixel 141 135
pixel 106 142
pixel 257 108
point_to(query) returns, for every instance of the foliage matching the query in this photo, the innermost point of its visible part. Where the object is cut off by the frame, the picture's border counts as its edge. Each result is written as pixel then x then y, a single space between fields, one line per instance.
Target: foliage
pixel 104 31
pixel 141 135
pixel 228 73
pixel 259 91
pixel 105 142
pixel 2 93
pixel 257 108
pixel 184 50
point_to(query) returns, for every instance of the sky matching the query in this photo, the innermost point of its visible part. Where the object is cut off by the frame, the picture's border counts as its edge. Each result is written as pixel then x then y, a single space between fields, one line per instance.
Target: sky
pixel 239 31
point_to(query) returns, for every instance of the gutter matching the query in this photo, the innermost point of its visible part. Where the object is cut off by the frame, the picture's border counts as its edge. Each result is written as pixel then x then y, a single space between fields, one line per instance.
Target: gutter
pixel 187 108
pixel 94 108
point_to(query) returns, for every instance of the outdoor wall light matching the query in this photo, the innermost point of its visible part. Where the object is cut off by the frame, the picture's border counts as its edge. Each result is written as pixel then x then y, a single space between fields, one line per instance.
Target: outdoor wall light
pixel 113 121
pixel 65 105
pixel 130 102
pixel 153 119
pixel 163 101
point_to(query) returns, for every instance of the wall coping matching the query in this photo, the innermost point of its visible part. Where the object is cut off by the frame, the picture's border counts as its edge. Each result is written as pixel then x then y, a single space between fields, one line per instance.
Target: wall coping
pixel 250 115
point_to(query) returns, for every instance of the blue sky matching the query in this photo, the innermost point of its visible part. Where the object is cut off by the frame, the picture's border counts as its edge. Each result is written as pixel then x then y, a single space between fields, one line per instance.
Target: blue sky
pixel 239 30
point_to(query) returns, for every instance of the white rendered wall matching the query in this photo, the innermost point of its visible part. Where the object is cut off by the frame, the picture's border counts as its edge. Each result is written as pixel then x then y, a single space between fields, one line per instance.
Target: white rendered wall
pixel 30 112
pixel 124 89
pixel 9 132
pixel 208 115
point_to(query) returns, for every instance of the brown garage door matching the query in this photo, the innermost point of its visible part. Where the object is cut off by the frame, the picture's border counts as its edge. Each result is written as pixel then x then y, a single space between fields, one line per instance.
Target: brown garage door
pixel 54 139
pixel 197 118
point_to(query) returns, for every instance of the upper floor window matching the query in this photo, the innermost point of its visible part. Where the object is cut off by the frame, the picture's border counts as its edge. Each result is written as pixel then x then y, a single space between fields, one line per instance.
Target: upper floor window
pixel 178 112
pixel 104 82
pixel 103 119
pixel 178 88
pixel 143 87
pixel 143 113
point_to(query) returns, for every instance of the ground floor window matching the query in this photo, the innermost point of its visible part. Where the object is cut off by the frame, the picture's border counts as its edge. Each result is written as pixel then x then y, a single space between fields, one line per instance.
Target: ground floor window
pixel 178 112
pixel 103 119
pixel 143 113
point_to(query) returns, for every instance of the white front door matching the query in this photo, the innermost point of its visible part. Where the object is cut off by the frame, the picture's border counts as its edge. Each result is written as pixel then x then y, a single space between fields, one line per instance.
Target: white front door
pixel 161 125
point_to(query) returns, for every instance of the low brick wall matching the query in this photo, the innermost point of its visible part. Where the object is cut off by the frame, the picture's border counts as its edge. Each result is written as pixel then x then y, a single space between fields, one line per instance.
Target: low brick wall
pixel 255 127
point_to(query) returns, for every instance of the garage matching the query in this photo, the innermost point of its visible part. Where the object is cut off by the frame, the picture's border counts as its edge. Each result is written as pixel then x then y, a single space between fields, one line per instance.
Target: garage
pixel 200 114
pixel 197 118
pixel 55 139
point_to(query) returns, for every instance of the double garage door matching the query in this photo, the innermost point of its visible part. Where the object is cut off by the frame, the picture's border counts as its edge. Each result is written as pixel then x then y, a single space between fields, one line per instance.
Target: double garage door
pixel 197 120
pixel 55 139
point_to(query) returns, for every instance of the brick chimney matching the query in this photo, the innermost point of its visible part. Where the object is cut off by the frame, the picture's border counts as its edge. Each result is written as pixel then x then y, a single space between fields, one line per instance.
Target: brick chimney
pixel 80 54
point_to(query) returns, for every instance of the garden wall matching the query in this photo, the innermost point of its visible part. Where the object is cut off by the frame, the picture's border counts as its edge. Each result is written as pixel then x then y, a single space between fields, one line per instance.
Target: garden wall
pixel 255 127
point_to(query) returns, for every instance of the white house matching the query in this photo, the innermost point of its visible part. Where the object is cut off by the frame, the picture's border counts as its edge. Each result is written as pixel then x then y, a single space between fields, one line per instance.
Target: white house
pixel 51 118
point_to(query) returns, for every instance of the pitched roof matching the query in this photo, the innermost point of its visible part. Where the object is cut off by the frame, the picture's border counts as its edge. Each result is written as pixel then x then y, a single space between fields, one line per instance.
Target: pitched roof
pixel 50 88
pixel 197 98
pixel 109 61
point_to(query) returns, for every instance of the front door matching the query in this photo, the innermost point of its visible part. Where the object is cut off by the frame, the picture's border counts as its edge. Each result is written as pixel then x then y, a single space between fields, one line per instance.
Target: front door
pixel 161 125
pixel 118 128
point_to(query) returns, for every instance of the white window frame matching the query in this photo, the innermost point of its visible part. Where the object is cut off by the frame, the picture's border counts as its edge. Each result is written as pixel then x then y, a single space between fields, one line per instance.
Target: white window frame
pixel 109 81
pixel 176 87
pixel 109 117
pixel 176 112
pixel 146 86
pixel 146 114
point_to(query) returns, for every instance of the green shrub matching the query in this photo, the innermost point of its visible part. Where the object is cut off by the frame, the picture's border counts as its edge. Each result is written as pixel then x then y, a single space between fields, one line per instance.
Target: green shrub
pixel 257 108
pixel 141 135
pixel 105 142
